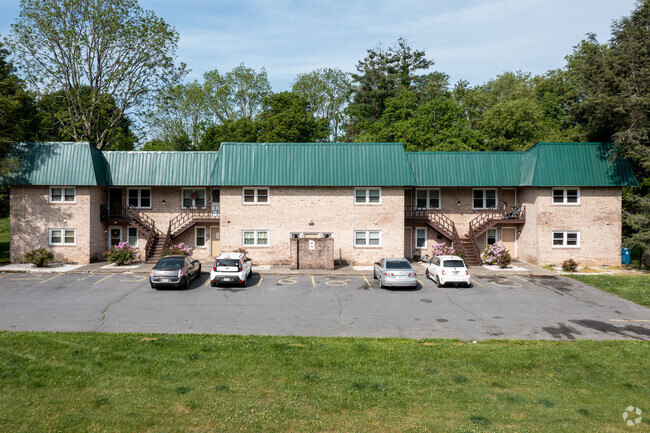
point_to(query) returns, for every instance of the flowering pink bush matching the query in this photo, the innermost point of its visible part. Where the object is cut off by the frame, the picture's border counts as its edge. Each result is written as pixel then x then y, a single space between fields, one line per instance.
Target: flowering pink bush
pixel 496 254
pixel 443 250
pixel 122 254
pixel 178 249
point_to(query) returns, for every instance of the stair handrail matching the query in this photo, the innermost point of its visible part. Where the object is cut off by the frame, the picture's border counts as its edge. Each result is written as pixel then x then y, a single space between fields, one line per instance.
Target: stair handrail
pixel 435 216
pixel 186 216
pixel 144 219
pixel 168 237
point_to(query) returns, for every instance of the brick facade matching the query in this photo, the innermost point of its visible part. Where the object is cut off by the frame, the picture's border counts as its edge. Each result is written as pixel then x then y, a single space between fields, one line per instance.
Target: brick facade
pixel 312 253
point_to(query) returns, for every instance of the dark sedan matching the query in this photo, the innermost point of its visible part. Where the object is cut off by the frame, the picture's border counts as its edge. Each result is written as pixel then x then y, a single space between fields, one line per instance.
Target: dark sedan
pixel 174 271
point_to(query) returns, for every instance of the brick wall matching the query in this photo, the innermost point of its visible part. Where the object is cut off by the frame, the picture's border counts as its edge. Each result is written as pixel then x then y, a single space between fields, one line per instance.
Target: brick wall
pixel 304 257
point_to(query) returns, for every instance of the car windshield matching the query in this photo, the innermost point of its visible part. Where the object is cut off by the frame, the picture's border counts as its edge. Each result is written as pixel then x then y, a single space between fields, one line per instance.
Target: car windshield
pixel 170 263
pixel 398 264
pixel 454 264
pixel 227 262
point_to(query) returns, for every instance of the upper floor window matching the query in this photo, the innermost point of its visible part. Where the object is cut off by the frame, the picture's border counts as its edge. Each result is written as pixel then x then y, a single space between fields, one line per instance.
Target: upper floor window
pixel 484 198
pixel 566 196
pixel 566 238
pixel 367 195
pixel 427 199
pixel 194 198
pixel 63 194
pixel 255 195
pixel 139 197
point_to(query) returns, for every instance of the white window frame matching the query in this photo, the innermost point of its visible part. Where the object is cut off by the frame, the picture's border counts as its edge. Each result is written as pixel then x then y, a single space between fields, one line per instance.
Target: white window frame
pixel 326 235
pixel 496 236
pixel 128 235
pixel 496 198
pixel 62 201
pixel 564 239
pixel 205 236
pixel 63 242
pixel 428 190
pixel 256 238
pixel 424 247
pixel 193 205
pixel 139 206
pixel 295 235
pixel 564 201
pixel 366 238
pixel 256 195
pixel 367 194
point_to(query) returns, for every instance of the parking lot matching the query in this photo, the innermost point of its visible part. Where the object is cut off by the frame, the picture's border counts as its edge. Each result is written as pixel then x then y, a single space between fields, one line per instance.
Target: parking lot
pixel 494 307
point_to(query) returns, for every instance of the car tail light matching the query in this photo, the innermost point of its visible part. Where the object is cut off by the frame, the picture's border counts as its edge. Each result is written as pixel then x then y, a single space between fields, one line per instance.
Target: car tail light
pixel 389 275
pixel 151 272
pixel 443 272
pixel 239 266
pixel 466 272
pixel 180 273
pixel 411 275
pixel 214 267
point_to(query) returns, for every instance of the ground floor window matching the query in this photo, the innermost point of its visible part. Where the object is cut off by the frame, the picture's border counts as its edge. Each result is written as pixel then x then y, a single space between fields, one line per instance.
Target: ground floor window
pixel 199 237
pixel 256 238
pixel 491 237
pixel 132 236
pixel 367 238
pixel 566 238
pixel 421 238
pixel 63 236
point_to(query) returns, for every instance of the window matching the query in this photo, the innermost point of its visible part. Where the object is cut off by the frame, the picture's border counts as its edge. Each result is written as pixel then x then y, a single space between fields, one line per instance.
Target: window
pixel 566 196
pixel 566 238
pixel 199 237
pixel 132 236
pixel 491 236
pixel 256 238
pixel 421 238
pixel 327 235
pixel 255 195
pixel 194 198
pixel 484 198
pixel 63 236
pixel 63 194
pixel 427 199
pixel 367 238
pixel 367 195
pixel 139 197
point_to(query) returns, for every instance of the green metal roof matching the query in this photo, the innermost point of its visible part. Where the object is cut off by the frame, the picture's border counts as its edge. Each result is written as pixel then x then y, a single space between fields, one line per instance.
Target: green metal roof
pixel 575 164
pixel 160 168
pixel 56 163
pixel 313 164
pixel 320 164
pixel 466 168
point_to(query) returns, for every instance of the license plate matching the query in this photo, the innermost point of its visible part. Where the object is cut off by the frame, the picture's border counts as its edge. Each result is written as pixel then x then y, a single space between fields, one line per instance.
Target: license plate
pixel 456 272
pixel 226 279
pixel 164 280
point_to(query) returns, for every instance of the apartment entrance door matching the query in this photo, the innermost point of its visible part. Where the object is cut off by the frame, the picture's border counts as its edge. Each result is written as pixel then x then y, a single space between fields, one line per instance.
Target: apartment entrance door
pixel 509 240
pixel 215 241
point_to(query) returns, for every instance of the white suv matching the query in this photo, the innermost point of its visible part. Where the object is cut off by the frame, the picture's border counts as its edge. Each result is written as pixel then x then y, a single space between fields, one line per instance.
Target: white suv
pixel 231 268
pixel 448 269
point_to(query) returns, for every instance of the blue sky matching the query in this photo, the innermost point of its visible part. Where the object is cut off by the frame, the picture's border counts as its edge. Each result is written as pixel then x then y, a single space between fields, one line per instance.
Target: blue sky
pixel 470 40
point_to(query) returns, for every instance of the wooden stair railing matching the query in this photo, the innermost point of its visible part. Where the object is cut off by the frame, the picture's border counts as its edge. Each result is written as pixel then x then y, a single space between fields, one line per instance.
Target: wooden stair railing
pixel 186 219
pixel 490 217
pixel 438 221
pixel 145 224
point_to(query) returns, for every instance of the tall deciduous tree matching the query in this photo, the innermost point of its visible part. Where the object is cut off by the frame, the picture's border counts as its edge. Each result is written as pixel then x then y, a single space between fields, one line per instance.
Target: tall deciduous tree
pixel 328 92
pixel 614 105
pixel 113 47
pixel 287 117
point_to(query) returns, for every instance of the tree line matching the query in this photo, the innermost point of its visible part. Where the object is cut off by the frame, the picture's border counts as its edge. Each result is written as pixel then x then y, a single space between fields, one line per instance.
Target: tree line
pixel 91 80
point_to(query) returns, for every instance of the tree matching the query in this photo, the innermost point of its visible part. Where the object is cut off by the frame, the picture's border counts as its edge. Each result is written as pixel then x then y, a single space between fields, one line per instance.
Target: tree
pixel 328 92
pixel 244 130
pixel 613 81
pixel 287 117
pixel 113 47
pixel 56 124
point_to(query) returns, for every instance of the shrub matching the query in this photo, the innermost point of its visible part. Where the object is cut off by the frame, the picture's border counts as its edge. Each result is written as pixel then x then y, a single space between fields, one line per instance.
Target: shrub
pixel 178 249
pixel 496 254
pixel 443 250
pixel 569 265
pixel 122 254
pixel 39 257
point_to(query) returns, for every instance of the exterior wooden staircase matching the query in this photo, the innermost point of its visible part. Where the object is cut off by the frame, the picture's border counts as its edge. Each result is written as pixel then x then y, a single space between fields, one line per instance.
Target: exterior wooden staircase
pixel 437 221
pixel 147 226
pixel 485 221
pixel 186 220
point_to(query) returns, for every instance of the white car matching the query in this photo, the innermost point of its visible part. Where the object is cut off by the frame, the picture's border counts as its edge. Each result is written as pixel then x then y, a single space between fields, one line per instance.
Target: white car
pixel 448 269
pixel 231 268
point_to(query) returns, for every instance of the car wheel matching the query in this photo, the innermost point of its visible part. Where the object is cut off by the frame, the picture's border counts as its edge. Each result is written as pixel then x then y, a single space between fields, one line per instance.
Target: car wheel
pixel 438 282
pixel 198 274
pixel 187 282
pixel 153 286
pixel 374 274
pixel 213 284
pixel 245 281
pixel 426 274
pixel 381 283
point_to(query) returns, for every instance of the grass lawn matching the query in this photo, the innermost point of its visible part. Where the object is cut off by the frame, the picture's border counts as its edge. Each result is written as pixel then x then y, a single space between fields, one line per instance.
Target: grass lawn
pixel 4 240
pixel 87 382
pixel 635 288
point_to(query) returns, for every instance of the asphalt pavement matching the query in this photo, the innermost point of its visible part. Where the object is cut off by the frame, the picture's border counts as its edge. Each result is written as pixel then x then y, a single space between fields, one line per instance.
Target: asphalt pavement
pixel 513 307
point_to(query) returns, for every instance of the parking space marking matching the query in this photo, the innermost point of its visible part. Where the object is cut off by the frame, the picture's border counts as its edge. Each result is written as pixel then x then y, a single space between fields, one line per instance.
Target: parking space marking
pixel 105 278
pixel 367 282
pixel 260 282
pixel 476 282
pixel 342 282
pixel 288 281
pixel 22 277
pixel 421 283
pixel 313 282
pixel 135 279
pixel 3 275
pixel 522 279
pixel 50 279
pixel 87 276
pixel 207 282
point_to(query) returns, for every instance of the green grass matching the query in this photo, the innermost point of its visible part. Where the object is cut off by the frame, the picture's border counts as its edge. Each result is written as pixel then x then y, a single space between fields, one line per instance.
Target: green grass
pixel 4 240
pixel 87 382
pixel 635 288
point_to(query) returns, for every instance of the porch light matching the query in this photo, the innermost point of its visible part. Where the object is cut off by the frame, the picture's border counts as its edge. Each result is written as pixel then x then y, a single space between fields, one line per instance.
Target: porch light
pixel 105 231
pixel 458 204
pixel 311 223
pixel 163 202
